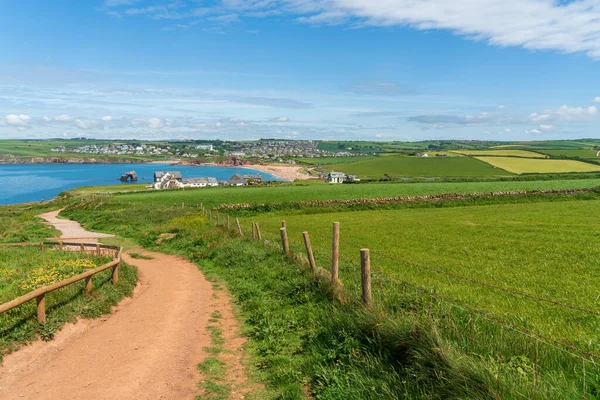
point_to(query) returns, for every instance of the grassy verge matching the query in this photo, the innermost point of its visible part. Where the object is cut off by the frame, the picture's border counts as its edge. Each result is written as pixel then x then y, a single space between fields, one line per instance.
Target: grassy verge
pixel 22 269
pixel 20 223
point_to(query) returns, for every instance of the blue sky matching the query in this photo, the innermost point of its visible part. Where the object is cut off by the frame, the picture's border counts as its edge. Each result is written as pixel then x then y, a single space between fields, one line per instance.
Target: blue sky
pixel 305 69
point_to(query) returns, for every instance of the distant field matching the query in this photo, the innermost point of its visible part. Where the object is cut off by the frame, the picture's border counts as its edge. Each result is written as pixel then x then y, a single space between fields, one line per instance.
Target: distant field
pixel 582 153
pixel 528 165
pixel 417 166
pixel 279 194
pixel 132 187
pixel 548 250
pixel 331 160
pixel 500 153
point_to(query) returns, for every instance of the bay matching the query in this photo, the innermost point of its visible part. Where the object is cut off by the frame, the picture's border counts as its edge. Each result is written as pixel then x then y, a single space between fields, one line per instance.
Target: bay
pixel 37 182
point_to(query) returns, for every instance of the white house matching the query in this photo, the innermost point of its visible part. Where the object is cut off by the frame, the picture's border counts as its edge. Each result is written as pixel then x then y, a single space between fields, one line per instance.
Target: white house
pixel 336 177
pixel 200 182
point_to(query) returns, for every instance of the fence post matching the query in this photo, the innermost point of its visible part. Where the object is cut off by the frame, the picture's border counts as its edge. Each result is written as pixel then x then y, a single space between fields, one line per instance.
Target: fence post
pixel 228 226
pixel 335 253
pixel 115 274
pixel 182 204
pixel 237 221
pixel 88 284
pixel 60 244
pixel 309 252
pixel 284 241
pixel 98 249
pixel 42 247
pixel 217 219
pixel 41 308
pixel 365 273
pixel 253 230
pixel 284 224
pixel 82 248
pixel 258 236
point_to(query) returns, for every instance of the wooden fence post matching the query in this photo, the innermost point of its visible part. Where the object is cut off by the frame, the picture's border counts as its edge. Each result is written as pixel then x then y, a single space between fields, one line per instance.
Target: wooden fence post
pixel 115 274
pixel 88 284
pixel 42 247
pixel 41 308
pixel 258 235
pixel 217 219
pixel 98 252
pixel 335 253
pixel 309 251
pixel 82 248
pixel 228 226
pixel 60 244
pixel 237 221
pixel 253 231
pixel 182 204
pixel 284 241
pixel 365 274
pixel 284 224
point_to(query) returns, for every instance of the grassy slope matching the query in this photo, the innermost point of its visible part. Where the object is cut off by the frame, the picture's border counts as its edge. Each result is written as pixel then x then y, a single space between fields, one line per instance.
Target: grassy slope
pixel 278 194
pixel 417 166
pixel 297 337
pixel 528 165
pixel 21 224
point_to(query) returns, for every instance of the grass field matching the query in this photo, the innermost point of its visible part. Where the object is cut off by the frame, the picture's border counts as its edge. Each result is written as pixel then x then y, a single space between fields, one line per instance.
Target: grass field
pixel 528 247
pixel 281 194
pixel 581 153
pixel 23 269
pixel 533 166
pixel 501 153
pixel 417 166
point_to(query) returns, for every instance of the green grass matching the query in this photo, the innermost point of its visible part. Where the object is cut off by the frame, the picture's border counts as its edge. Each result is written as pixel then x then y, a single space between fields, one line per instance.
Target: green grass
pixel 532 166
pixel 528 247
pixel 282 194
pixel 21 224
pixel 417 166
pixel 18 267
pixel 500 153
pixel 581 153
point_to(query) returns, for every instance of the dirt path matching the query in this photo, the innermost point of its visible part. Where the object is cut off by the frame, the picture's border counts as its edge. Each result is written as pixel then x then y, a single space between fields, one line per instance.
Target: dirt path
pixel 72 229
pixel 147 349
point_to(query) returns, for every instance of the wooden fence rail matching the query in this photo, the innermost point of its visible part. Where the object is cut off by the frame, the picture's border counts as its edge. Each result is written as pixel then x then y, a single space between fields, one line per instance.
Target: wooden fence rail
pixel 40 293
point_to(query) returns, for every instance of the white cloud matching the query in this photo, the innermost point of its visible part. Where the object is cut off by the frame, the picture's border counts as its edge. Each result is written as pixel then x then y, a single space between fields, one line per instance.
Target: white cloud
pixel 507 130
pixel 565 113
pixel 501 107
pixel 533 131
pixel 596 99
pixel 86 123
pixel 280 119
pixel 62 118
pixel 546 127
pixel 21 120
pixel 107 118
pixel 559 25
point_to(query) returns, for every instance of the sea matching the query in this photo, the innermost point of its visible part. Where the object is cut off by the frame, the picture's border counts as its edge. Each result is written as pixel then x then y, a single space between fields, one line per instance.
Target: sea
pixel 37 182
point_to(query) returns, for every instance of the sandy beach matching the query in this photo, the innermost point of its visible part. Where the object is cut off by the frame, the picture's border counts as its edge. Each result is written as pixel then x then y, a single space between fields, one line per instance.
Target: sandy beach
pixel 287 172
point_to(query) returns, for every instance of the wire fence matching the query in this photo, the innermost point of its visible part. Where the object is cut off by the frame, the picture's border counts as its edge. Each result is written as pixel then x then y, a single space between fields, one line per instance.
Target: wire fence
pixel 526 363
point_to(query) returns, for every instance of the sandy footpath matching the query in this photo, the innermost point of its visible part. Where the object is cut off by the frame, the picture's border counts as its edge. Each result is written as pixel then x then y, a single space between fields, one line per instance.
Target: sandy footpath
pixel 147 349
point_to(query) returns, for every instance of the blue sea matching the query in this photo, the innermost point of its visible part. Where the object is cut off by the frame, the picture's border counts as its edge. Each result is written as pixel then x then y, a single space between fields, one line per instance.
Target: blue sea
pixel 37 182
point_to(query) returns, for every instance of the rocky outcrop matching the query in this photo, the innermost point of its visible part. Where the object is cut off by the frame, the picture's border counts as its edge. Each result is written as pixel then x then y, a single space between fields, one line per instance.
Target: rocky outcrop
pixel 130 176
